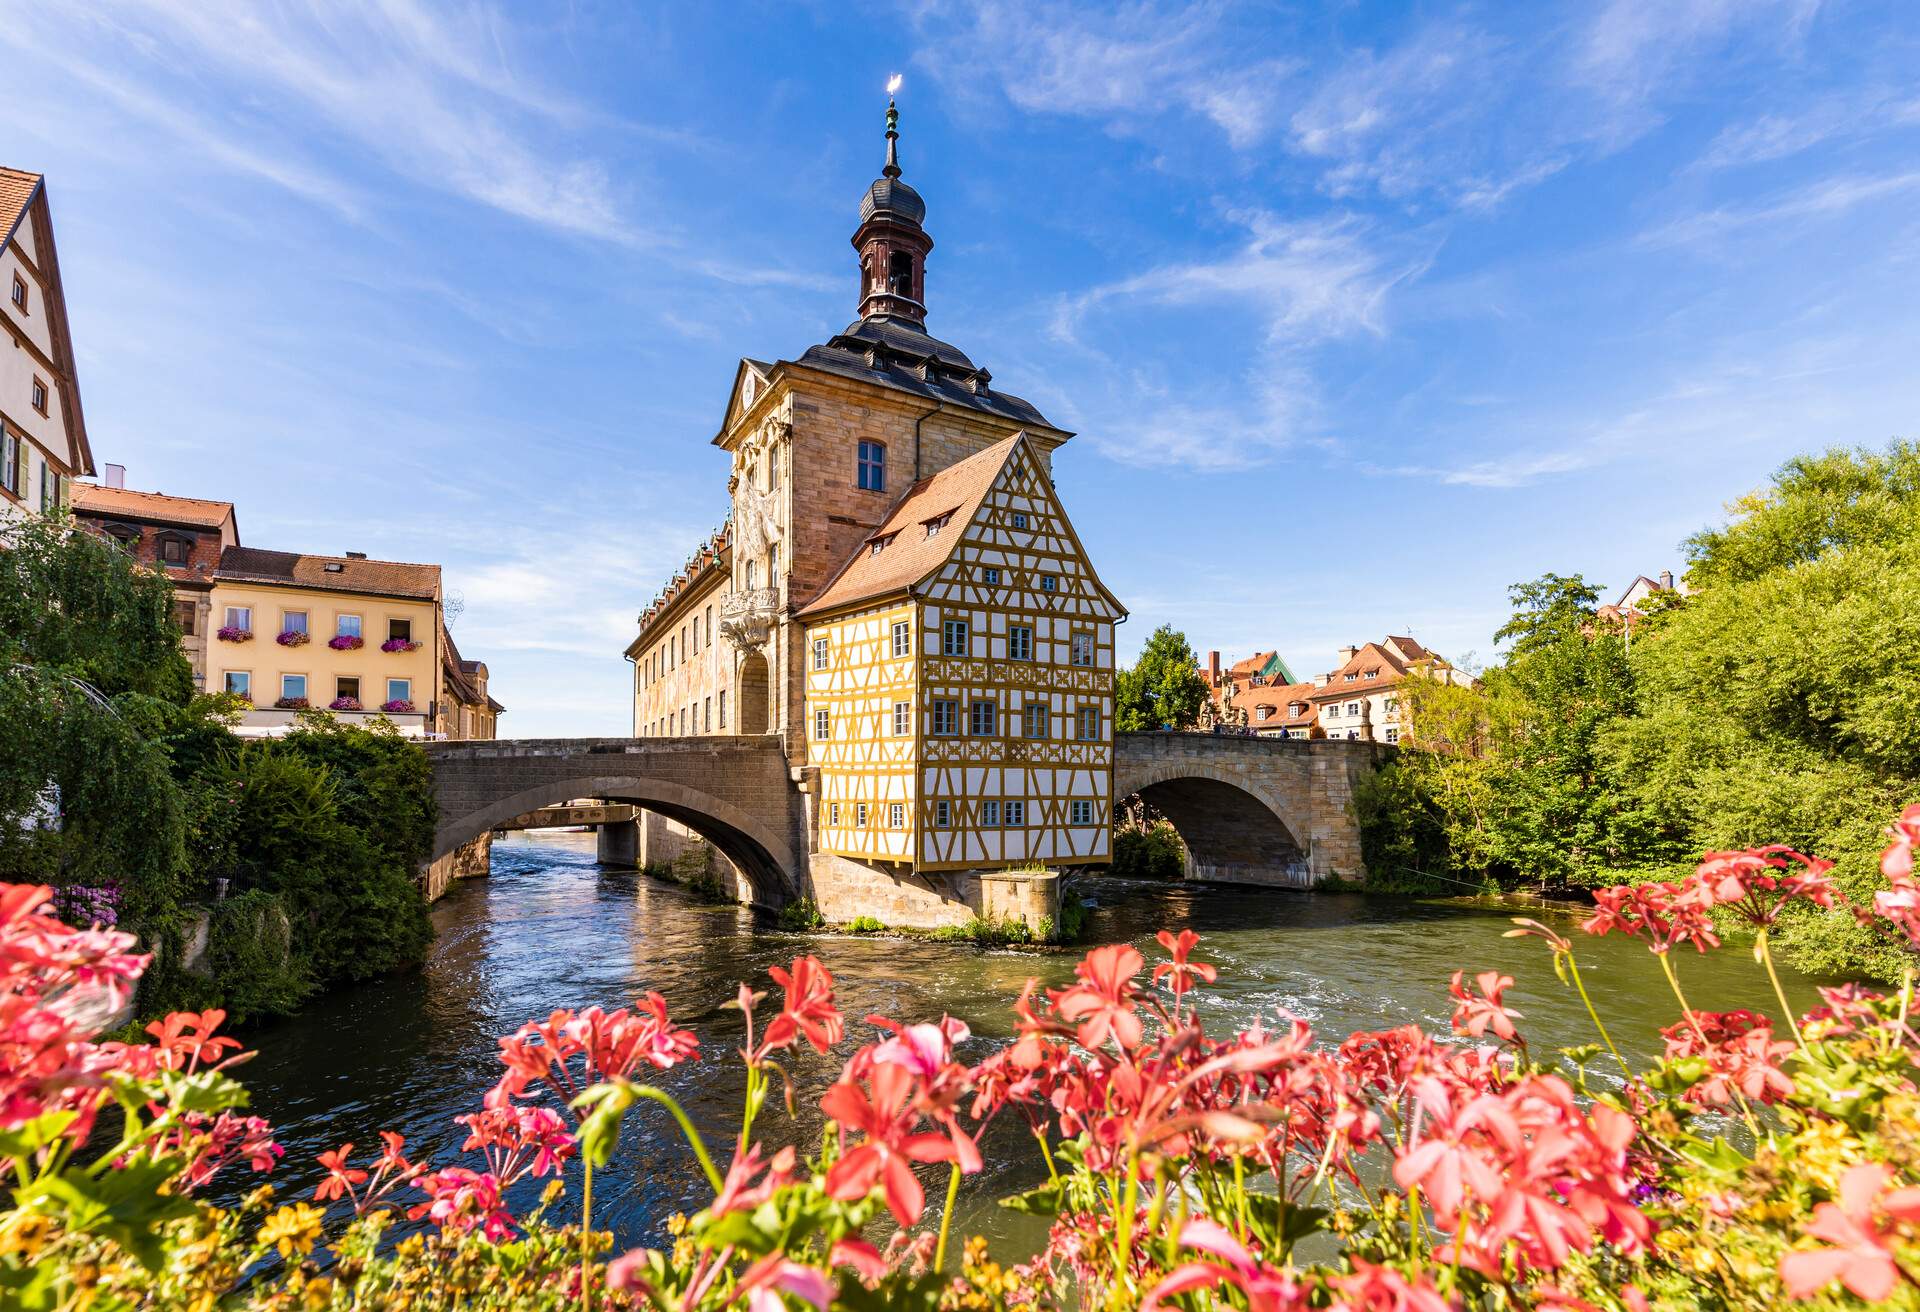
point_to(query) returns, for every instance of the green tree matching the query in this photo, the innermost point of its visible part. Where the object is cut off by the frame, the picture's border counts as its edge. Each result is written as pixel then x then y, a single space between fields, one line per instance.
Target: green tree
pixel 1161 690
pixel 74 602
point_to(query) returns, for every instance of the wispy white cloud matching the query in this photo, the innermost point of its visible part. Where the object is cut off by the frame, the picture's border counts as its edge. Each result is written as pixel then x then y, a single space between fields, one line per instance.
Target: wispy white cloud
pixel 1825 199
pixel 1299 284
pixel 1775 136
pixel 1127 64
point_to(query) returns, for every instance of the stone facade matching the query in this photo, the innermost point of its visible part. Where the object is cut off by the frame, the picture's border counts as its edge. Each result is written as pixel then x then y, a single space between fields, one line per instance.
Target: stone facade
pixel 470 860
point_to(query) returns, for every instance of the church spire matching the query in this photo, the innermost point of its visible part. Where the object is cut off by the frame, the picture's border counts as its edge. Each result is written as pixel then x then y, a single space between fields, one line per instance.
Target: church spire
pixel 893 246
pixel 892 170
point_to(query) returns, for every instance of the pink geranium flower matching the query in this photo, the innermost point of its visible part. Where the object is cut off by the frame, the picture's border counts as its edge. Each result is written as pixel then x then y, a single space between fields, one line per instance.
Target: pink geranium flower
pixel 1860 1228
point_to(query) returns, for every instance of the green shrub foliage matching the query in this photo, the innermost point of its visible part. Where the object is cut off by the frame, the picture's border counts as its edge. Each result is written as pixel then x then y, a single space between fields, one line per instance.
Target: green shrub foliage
pixel 1774 704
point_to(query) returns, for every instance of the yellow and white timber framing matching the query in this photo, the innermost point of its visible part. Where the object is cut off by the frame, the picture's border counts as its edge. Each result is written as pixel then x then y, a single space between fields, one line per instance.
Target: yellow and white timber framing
pixel 1006 662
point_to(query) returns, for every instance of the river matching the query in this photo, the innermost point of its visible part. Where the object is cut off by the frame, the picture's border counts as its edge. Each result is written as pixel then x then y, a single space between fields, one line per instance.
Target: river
pixel 550 928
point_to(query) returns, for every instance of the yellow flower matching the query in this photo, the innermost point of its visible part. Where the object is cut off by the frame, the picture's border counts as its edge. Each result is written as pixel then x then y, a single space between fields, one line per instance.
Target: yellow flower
pixel 293 1229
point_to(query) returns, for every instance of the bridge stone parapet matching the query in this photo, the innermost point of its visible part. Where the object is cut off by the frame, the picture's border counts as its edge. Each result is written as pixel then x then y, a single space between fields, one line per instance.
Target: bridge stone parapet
pixel 735 791
pixel 1252 810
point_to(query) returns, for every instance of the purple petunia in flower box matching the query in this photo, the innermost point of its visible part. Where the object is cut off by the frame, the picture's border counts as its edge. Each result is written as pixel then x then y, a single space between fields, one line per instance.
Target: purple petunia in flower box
pixel 292 704
pixel 234 633
pixel 399 644
pixel 397 706
pixel 293 638
pixel 346 642
pixel 344 704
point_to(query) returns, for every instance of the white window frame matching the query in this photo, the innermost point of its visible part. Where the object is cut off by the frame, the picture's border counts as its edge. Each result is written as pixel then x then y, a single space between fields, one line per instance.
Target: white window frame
pixel 822 724
pixel 284 685
pixel 902 718
pixel 1081 649
pixel 406 690
pixel 246 683
pixel 902 638
pixel 242 613
pixel 348 625
pixel 304 625
pixel 896 815
pixel 822 653
pixel 859 815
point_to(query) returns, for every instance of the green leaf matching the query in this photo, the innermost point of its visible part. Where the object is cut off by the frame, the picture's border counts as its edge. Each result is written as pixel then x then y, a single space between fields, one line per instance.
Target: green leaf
pixel 24 1140
pixel 207 1092
pixel 600 1132
pixel 123 1205
pixel 1285 1223
pixel 1043 1201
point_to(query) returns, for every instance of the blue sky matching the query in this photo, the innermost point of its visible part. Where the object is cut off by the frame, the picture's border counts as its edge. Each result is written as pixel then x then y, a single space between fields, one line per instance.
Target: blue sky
pixel 1362 312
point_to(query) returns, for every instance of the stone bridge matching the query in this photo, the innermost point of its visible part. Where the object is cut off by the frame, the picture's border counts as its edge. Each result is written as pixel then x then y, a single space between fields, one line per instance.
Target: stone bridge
pixel 1250 810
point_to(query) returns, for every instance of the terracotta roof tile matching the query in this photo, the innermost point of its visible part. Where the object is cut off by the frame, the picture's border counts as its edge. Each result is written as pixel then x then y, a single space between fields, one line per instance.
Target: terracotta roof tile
pixel 125 503
pixel 387 578
pixel 909 554
pixel 16 193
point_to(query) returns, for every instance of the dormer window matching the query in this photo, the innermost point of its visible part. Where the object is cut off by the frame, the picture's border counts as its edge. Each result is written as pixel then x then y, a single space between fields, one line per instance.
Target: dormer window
pixel 1373 674
pixel 877 545
pixel 20 293
pixel 937 523
pixel 1351 677
pixel 175 550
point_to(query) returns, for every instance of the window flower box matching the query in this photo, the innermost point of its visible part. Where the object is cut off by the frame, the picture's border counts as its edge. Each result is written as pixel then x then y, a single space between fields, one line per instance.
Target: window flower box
pixel 230 633
pixel 397 707
pixel 399 644
pixel 293 638
pixel 346 642
pixel 292 704
pixel 344 704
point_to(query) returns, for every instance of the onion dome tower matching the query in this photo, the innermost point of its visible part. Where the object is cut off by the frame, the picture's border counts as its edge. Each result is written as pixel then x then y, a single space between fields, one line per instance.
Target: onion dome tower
pixel 893 246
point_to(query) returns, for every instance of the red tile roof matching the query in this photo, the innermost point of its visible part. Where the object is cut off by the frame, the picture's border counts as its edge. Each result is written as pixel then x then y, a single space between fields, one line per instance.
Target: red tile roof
pixel 17 187
pixel 148 507
pixel 909 555
pixel 385 578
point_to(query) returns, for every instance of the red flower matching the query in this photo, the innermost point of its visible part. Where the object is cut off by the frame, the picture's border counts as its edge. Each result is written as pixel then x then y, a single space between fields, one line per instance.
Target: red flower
pixel 1862 1254
pixel 1180 970
pixel 186 1038
pixel 1896 863
pixel 1740 1053
pixel 340 1177
pixel 1101 1005
pixel 1475 1016
pixel 884 1115
pixel 1265 1288
pixel 1666 913
pixel 460 1200
pixel 808 1011
pixel 1381 1289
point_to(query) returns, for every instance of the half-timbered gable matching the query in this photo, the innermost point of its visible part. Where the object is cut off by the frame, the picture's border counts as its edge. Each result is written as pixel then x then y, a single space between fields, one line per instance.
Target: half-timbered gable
pixel 960 689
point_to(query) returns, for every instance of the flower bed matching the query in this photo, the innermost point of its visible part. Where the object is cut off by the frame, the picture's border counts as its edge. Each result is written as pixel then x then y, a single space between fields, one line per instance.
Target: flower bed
pixel 344 704
pixel 292 704
pixel 293 638
pixel 233 633
pixel 1761 1162
pixel 346 642
pixel 399 644
pixel 397 707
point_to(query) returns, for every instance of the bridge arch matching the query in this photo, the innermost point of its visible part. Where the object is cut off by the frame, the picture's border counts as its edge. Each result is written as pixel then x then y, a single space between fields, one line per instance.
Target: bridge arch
pixel 762 854
pixel 1235 827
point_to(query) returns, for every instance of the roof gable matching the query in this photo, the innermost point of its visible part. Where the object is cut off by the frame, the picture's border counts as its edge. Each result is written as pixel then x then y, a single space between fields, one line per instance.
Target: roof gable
pixel 23 204
pixel 901 553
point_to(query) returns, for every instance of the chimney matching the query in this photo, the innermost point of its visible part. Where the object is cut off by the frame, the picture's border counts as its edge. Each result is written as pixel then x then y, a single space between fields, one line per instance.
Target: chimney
pixel 1666 575
pixel 1348 653
pixel 116 476
pixel 356 555
pixel 1213 667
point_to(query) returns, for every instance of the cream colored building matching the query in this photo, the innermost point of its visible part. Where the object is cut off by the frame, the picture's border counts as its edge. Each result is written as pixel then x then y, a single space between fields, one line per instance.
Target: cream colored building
pixel 43 436
pixel 683 671
pixel 343 633
pixel 1360 699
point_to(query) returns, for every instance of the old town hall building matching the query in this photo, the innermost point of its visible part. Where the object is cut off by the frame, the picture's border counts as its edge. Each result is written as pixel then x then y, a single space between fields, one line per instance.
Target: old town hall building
pixel 898 593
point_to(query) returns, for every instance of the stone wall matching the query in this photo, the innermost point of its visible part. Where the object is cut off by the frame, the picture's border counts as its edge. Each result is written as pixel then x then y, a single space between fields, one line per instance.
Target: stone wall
pixel 845 889
pixel 467 861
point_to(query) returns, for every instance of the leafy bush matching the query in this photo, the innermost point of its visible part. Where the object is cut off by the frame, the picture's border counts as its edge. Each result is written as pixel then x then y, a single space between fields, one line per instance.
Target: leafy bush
pixel 1761 1162
pixel 987 933
pixel 801 915
pixel 250 952
pixel 1150 852
pixel 865 925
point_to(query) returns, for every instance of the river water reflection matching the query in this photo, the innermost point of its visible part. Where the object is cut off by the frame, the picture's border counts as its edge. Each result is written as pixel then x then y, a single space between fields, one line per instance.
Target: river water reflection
pixel 550 928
